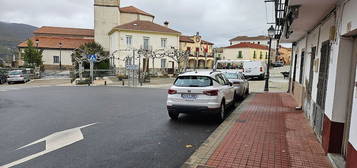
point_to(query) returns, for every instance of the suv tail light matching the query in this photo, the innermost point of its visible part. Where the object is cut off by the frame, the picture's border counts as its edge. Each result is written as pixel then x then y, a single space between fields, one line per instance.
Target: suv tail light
pixel 171 91
pixel 211 92
pixel 261 69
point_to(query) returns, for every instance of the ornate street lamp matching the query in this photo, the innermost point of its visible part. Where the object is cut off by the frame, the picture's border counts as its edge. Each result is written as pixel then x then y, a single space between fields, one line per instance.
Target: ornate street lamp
pixel 271 34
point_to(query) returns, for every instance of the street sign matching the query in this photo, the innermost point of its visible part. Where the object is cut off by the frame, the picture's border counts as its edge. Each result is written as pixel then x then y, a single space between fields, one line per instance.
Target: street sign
pixel 132 67
pixel 92 58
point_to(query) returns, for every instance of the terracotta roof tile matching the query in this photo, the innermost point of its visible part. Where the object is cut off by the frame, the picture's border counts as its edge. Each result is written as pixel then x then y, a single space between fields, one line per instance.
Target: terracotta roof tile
pixel 53 42
pixel 64 31
pixel 132 9
pixel 140 25
pixel 249 45
pixel 188 39
pixel 246 38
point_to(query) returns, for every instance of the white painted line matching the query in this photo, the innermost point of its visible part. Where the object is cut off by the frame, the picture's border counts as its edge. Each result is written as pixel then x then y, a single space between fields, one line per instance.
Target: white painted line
pixel 53 142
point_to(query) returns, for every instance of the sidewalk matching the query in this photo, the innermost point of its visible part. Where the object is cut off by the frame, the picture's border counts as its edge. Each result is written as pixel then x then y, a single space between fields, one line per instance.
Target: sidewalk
pixel 266 131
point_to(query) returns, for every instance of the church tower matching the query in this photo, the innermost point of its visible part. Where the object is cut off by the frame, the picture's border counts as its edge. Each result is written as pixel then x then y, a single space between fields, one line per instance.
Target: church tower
pixel 106 17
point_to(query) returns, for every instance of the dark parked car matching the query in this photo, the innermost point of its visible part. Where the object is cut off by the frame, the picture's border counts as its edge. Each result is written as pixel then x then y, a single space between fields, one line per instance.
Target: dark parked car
pixel 278 64
pixel 3 76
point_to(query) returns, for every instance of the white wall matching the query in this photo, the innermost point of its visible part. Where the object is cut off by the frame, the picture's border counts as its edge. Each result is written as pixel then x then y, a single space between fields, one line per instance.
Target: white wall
pixel 353 126
pixel 47 56
pixel 349 16
pixel 232 53
pixel 119 42
pixel 130 17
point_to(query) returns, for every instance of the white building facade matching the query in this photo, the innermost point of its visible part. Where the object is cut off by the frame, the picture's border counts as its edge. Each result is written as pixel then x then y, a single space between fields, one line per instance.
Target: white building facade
pixel 124 30
pixel 323 75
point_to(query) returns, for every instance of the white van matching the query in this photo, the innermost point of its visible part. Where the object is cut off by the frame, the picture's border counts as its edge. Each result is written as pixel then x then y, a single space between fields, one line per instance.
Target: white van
pixel 254 69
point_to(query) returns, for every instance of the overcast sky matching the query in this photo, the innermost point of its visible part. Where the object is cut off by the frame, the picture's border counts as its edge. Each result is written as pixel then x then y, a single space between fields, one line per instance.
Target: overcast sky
pixel 216 20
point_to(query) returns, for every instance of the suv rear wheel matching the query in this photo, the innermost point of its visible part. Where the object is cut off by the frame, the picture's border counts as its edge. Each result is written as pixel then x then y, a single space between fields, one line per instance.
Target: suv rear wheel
pixel 173 115
pixel 222 112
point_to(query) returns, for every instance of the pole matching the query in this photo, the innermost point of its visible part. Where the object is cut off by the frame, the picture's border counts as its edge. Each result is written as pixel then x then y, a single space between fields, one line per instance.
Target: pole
pixel 134 83
pixel 60 61
pixel 91 71
pixel 140 81
pixel 266 88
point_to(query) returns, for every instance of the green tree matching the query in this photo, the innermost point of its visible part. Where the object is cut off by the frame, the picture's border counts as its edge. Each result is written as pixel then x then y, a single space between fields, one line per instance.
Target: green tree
pixel 91 48
pixel 32 56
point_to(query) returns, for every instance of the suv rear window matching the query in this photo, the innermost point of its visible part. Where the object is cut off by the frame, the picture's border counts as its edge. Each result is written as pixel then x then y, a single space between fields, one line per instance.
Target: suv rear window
pixel 15 73
pixel 193 81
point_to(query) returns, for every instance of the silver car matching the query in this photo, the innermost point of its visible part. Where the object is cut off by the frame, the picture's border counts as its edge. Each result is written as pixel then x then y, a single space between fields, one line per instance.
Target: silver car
pixel 240 83
pixel 18 76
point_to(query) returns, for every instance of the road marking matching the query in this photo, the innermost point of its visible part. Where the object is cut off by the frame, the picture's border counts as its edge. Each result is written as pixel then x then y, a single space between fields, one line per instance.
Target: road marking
pixel 53 142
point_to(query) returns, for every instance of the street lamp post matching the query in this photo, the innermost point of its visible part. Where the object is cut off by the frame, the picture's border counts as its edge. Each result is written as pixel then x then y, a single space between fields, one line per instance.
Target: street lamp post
pixel 271 34
pixel 60 56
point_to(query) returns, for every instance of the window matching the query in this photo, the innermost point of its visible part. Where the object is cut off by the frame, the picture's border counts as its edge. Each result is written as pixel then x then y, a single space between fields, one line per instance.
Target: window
pixel 254 55
pixel 163 42
pixel 197 49
pixel 266 55
pixel 129 40
pixel 56 59
pixel 261 55
pixel 146 43
pixel 220 80
pixel 193 81
pixel 163 63
pixel 240 54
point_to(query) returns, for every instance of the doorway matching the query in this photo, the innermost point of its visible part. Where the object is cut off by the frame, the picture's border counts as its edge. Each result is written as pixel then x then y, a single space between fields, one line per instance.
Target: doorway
pixel 319 107
pixel 352 98
pixel 294 73
pixel 311 74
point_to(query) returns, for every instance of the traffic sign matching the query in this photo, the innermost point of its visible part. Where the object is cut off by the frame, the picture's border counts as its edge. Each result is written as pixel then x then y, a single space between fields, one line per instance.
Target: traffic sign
pixel 132 67
pixel 92 58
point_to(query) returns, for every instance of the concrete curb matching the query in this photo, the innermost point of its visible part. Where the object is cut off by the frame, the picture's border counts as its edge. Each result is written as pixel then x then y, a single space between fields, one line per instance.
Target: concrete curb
pixel 204 152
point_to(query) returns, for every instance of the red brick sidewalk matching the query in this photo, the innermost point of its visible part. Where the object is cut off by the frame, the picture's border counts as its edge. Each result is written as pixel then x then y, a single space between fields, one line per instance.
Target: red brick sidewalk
pixel 269 133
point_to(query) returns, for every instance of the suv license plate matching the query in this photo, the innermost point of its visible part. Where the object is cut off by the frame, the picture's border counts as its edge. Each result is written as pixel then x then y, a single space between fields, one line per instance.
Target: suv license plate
pixel 189 96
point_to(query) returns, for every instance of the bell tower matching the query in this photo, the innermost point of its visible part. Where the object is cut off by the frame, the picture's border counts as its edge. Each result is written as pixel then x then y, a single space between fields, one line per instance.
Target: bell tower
pixel 106 17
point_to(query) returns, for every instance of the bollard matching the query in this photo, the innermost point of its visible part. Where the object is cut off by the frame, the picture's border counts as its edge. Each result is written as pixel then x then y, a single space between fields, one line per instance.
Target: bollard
pixel 105 83
pixel 123 82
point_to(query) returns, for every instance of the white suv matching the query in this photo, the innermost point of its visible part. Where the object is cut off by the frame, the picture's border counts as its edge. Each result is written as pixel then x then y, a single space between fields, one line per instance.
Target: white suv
pixel 195 92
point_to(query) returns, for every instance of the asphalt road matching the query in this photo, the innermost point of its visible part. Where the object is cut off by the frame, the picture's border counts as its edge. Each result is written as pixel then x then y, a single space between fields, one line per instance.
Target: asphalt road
pixel 132 127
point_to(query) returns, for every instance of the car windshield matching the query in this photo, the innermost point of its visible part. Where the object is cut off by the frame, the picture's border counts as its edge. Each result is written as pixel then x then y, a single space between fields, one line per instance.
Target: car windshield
pixel 15 73
pixel 233 75
pixel 193 81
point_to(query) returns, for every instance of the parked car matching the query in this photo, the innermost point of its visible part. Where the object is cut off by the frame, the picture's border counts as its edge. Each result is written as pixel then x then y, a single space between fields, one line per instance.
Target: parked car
pixel 254 69
pixel 3 76
pixel 278 64
pixel 18 76
pixel 200 92
pixel 240 83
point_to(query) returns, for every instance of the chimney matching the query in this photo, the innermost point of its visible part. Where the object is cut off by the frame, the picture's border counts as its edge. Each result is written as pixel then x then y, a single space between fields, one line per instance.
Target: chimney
pixel 166 23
